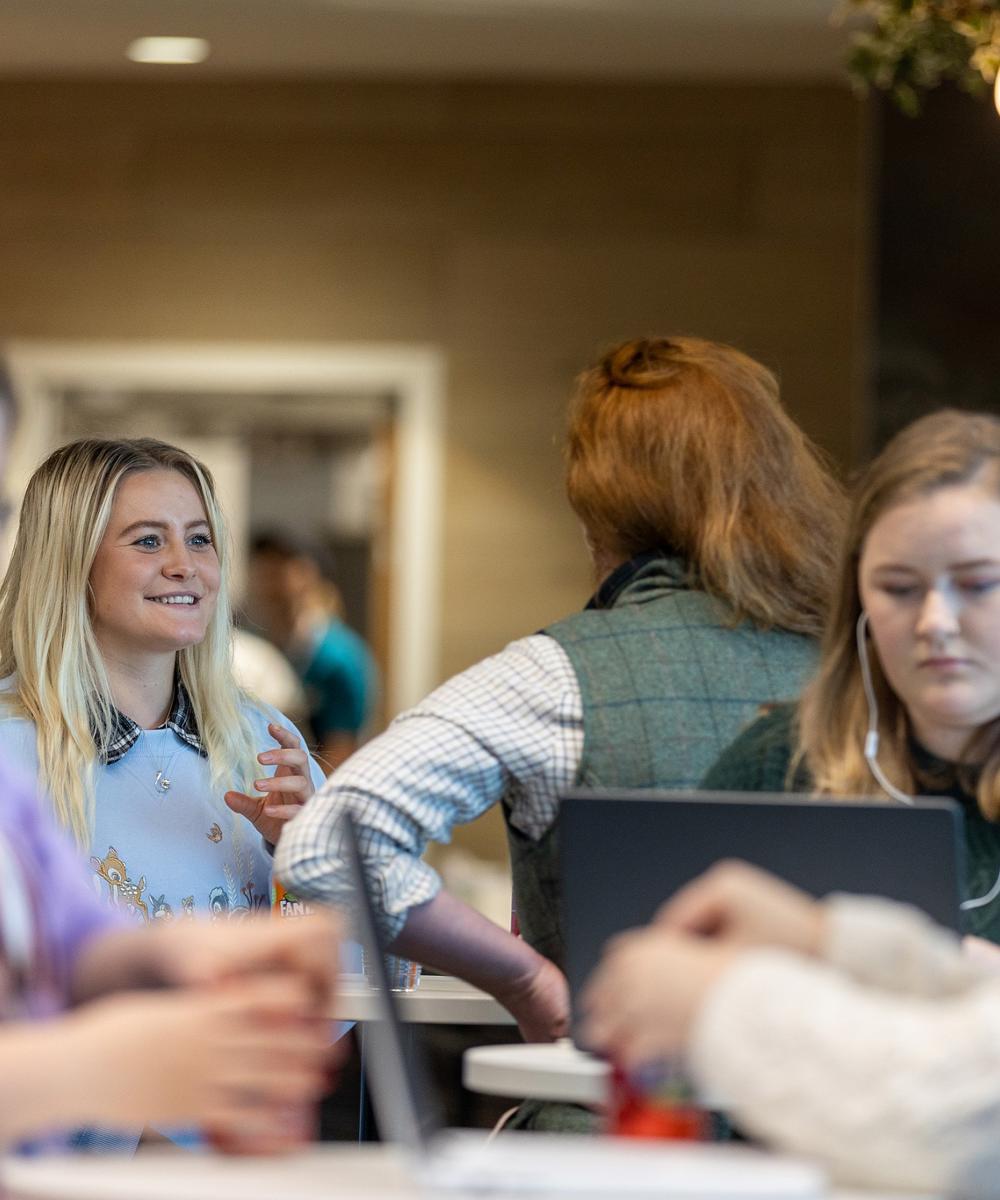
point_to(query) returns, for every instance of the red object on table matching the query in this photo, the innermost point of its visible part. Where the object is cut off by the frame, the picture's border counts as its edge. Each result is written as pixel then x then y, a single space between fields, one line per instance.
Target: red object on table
pixel 656 1113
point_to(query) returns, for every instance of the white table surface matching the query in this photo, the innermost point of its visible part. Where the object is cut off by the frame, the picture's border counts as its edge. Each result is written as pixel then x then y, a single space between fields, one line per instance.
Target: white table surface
pixel 436 1000
pixel 544 1071
pixel 333 1172
pixel 342 1170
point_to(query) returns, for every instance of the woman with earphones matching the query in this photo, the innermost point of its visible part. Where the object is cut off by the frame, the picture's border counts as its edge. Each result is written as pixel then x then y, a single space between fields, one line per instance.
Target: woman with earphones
pixel 906 699
pixel 853 1030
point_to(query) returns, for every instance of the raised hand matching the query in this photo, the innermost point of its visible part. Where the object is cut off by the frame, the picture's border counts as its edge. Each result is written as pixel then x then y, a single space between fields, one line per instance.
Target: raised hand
pixel 284 792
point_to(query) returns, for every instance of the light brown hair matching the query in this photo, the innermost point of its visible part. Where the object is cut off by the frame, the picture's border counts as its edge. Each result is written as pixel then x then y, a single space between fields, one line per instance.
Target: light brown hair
pixel 944 449
pixel 682 444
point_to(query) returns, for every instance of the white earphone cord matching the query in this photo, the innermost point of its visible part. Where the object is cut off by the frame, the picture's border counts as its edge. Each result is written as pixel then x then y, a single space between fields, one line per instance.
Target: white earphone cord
pixel 871 752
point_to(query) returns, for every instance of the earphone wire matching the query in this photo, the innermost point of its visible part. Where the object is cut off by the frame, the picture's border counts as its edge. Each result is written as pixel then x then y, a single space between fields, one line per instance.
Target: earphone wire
pixel 871 752
pixel 871 736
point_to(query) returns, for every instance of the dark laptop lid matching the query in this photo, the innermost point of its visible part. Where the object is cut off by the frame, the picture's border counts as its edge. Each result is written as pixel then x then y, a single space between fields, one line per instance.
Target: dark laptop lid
pixel 623 853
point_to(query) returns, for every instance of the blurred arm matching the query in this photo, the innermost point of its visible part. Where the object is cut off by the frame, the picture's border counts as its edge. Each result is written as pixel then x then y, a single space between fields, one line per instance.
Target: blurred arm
pixel 896 948
pixel 887 1090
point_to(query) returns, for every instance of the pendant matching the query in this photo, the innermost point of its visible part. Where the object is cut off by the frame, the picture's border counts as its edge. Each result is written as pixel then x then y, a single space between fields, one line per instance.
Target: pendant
pixel 162 782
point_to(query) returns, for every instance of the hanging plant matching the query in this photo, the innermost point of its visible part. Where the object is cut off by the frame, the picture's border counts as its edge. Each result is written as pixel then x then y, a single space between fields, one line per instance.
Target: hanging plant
pixel 915 44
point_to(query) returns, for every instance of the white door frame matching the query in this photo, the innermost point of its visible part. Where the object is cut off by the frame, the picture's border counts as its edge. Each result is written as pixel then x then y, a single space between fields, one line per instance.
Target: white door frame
pixel 413 375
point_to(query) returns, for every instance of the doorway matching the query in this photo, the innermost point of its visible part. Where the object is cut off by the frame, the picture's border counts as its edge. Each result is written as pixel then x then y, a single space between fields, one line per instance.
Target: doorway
pixel 342 444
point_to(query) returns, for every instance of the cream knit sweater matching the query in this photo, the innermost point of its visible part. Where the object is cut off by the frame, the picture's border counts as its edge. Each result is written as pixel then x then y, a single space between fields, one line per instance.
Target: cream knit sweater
pixel 882 1060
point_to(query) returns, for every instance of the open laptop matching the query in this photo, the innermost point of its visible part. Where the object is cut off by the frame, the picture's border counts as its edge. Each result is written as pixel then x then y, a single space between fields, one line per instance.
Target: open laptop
pixel 535 1163
pixel 655 842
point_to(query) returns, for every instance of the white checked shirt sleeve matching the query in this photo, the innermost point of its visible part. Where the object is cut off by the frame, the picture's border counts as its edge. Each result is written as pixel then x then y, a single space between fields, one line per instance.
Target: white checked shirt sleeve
pixel 508 729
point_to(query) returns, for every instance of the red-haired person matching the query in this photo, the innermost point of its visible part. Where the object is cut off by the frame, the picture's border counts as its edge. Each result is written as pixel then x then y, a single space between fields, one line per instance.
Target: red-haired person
pixel 700 502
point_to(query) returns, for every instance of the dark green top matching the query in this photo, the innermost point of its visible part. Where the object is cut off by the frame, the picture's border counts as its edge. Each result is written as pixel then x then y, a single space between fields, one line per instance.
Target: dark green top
pixel 758 761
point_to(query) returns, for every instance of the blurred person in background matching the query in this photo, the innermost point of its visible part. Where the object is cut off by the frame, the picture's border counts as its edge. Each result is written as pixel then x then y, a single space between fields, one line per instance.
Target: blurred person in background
pixel 262 670
pixel 853 1030
pixel 301 611
pixel 711 521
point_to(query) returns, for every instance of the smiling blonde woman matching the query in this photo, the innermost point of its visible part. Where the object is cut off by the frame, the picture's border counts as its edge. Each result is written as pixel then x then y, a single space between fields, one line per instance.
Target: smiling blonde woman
pixel 117 688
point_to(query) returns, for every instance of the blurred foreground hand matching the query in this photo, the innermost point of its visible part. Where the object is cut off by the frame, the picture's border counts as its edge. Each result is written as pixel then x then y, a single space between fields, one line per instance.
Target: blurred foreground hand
pixel 648 989
pixel 748 907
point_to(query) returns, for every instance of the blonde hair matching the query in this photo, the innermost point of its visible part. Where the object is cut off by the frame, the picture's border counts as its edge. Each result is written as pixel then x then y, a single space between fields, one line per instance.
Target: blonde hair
pixel 682 444
pixel 945 449
pixel 47 639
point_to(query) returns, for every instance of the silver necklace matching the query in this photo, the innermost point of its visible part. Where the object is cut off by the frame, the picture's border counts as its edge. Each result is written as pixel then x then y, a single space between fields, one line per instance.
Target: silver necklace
pixel 162 762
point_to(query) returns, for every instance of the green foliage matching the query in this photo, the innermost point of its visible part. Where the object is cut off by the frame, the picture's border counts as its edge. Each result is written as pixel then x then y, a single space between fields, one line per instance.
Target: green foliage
pixel 913 45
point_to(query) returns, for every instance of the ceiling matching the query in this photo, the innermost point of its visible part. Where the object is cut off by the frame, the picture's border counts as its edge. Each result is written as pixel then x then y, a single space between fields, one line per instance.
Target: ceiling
pixel 614 39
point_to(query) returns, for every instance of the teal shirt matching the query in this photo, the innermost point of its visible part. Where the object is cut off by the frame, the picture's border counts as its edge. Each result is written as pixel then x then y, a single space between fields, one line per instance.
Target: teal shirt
pixel 340 681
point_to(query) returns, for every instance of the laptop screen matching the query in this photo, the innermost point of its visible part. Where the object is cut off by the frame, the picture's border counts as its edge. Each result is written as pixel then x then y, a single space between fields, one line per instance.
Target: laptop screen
pixel 623 853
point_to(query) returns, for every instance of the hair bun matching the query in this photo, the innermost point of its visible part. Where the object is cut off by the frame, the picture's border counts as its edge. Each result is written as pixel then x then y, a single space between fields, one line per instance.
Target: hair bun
pixel 640 363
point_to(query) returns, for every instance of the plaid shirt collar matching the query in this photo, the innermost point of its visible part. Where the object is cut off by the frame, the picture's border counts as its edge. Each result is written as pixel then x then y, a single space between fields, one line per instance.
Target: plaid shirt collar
pixel 125 732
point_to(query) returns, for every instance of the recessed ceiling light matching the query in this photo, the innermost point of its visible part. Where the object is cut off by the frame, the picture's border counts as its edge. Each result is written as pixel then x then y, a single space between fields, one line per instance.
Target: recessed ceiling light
pixel 168 50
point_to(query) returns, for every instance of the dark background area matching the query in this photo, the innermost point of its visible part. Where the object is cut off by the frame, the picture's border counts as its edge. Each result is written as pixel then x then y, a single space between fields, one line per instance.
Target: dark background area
pixel 937 260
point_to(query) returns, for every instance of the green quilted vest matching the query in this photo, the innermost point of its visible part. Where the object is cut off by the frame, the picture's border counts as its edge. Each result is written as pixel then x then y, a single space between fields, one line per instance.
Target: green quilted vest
pixel 667 682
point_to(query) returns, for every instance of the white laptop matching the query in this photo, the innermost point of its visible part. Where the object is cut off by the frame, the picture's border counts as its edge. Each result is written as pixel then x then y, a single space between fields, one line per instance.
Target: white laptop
pixel 563 1164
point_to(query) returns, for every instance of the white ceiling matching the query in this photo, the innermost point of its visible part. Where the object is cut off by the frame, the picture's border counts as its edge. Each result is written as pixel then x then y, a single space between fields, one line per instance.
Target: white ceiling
pixel 615 39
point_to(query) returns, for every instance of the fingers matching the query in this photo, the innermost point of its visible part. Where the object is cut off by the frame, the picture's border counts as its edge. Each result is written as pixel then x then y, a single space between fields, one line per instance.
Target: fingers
pixel 702 907
pixel 307 949
pixel 737 902
pixel 270 1079
pixel 290 784
pixel 648 991
pixel 282 812
pixel 257 811
pixel 284 737
pixel 291 757
pixel 311 948
pixel 200 951
pixel 710 903
pixel 291 781
pixel 296 760
pixel 236 1128
pixel 251 807
pixel 267 1049
pixel 613 974
pixel 281 994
